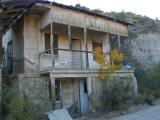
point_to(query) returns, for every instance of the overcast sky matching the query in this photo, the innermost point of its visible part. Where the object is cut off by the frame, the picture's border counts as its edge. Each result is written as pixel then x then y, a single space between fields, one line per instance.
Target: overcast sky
pixel 149 8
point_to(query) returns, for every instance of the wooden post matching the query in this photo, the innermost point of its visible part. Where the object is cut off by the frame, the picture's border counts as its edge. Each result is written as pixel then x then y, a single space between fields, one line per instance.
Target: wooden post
pixel 1 34
pixel 86 48
pixel 69 37
pixel 119 43
pixel 52 44
pixel 89 85
pixel 110 44
pixel 53 93
pixel 1 54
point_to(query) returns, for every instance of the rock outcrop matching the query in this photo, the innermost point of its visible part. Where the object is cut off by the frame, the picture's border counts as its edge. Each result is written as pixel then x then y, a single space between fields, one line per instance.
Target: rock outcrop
pixel 146 49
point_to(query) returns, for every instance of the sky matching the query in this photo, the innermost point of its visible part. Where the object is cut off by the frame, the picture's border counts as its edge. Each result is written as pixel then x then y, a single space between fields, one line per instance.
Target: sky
pixel 150 8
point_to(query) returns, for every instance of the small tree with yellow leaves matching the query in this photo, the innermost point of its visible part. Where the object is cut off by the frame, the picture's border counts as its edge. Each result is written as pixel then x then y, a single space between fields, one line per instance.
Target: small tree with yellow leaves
pixel 108 66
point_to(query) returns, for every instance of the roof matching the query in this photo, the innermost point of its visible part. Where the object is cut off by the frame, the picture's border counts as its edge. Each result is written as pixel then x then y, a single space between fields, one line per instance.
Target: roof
pixel 14 9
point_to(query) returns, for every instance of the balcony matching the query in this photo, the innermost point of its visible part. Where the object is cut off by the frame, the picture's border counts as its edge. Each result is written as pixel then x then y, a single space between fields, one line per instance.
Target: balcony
pixel 66 59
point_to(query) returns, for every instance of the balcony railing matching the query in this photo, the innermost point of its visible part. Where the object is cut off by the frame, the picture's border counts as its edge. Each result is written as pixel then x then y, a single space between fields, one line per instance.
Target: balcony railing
pixel 65 59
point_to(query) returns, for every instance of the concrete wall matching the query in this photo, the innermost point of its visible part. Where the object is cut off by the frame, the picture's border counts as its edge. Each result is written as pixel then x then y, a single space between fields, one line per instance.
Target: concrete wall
pixel 36 89
pixel 31 42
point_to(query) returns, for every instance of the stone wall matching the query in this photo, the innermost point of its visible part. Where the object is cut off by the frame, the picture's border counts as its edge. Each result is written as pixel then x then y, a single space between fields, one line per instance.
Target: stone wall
pixel 35 88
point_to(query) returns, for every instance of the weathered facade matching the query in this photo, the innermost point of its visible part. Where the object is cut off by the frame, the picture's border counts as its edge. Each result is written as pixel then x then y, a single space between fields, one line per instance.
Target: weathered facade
pixel 51 48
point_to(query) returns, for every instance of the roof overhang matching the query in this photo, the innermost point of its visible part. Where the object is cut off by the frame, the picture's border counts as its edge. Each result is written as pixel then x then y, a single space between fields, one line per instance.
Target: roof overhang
pixel 12 10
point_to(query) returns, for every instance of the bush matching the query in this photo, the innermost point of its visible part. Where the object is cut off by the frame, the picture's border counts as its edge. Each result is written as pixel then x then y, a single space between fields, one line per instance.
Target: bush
pixel 139 99
pixel 150 82
pixel 117 94
pixel 149 99
pixel 21 108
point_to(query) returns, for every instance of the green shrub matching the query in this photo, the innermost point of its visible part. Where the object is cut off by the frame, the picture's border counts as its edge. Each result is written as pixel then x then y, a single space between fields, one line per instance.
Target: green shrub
pixel 149 99
pixel 139 99
pixel 21 108
pixel 117 94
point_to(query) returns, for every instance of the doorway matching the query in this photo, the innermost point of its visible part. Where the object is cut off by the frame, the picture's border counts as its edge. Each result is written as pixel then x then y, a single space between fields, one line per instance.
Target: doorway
pixel 76 55
pixel 84 104
pixel 10 57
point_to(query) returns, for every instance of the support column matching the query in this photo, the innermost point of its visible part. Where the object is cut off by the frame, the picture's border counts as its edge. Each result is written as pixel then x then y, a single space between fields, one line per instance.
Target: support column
pixel 53 93
pixel 135 85
pixel 89 85
pixel 119 43
pixel 106 44
pixel 1 54
pixel 110 44
pixel 69 37
pixel 86 48
pixel 52 44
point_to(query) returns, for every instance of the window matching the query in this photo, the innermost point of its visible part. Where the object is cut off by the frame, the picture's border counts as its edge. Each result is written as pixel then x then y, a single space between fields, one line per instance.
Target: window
pixel 48 44
pixel 47 41
pixel 95 45
pixel 57 90
pixel 55 44
pixel 10 57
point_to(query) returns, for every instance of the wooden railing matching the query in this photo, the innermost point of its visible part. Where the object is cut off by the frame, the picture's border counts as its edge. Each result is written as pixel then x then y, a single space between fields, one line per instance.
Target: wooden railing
pixel 66 59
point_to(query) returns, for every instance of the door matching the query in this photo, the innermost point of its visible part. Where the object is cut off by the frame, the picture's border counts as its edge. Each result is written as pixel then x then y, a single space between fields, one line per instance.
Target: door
pixel 76 55
pixel 84 97
pixel 10 57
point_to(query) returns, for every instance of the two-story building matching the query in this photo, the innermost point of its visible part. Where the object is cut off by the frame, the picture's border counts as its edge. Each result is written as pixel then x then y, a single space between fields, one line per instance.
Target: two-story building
pixel 48 47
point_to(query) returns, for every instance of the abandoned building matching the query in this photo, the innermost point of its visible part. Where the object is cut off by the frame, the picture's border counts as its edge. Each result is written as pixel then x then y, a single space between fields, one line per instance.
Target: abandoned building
pixel 48 48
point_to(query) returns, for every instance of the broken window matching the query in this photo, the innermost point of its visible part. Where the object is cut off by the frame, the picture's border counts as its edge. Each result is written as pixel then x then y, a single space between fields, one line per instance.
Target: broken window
pixel 57 89
pixel 47 41
pixel 48 44
pixel 55 44
pixel 114 41
pixel 10 57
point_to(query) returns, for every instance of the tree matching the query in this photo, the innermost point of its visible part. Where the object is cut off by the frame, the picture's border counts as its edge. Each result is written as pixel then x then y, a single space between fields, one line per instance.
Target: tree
pixel 107 66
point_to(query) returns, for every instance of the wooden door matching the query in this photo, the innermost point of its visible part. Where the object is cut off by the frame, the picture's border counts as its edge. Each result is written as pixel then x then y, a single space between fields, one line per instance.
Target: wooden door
pixel 84 97
pixel 76 56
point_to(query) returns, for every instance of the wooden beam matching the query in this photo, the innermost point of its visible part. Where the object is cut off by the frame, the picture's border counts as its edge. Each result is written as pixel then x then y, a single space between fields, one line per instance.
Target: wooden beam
pixel 53 92
pixel 119 43
pixel 110 44
pixel 1 34
pixel 69 37
pixel 86 48
pixel 52 43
